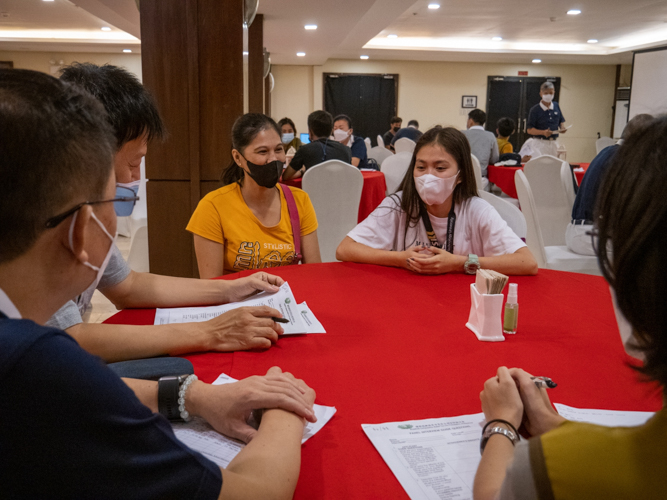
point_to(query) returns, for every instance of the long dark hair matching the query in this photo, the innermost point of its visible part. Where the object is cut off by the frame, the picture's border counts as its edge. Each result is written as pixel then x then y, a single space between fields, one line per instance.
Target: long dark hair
pixel 286 121
pixel 244 131
pixel 456 144
pixel 631 224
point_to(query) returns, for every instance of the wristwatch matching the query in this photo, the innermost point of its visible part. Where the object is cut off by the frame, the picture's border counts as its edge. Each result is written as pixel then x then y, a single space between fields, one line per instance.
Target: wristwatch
pixel 167 396
pixel 514 438
pixel 472 264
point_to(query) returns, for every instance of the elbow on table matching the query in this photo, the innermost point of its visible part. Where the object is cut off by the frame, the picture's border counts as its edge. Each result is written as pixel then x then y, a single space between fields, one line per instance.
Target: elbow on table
pixel 530 265
pixel 341 252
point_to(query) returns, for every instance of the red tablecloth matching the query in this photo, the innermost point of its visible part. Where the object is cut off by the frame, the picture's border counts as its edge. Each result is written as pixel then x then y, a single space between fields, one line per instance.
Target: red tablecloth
pixel 397 349
pixel 503 177
pixel 372 194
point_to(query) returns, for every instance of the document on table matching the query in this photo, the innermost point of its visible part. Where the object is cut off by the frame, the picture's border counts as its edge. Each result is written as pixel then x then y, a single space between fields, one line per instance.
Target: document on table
pixel 608 418
pixel 201 437
pixel 301 319
pixel 434 458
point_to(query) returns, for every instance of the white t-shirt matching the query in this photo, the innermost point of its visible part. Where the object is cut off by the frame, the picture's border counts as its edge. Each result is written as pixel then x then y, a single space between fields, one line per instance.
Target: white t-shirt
pixel 479 229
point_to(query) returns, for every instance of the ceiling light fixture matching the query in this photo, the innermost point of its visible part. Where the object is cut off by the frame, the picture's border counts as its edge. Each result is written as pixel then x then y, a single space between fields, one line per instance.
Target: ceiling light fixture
pixel 311 26
pixel 301 54
pixel 537 61
pixel 127 51
pixel 363 57
pixel 573 12
pixel 392 36
pixel 105 28
pixel 245 53
pixel 497 38
pixel 434 6
pixel 592 40
pixel 47 0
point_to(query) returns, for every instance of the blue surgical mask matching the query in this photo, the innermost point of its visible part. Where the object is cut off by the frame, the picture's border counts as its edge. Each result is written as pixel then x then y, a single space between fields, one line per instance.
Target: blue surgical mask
pixel 287 138
pixel 127 190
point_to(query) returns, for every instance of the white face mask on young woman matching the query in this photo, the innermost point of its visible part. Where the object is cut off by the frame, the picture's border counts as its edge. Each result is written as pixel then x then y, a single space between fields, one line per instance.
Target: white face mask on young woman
pixel 105 262
pixel 625 329
pixel 434 190
pixel 548 97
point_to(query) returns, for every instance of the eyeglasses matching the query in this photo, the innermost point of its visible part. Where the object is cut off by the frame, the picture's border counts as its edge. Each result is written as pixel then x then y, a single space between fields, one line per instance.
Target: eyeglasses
pixel 54 221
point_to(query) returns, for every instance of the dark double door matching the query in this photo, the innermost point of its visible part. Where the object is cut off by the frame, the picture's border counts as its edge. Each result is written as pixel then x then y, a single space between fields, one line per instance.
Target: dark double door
pixel 512 97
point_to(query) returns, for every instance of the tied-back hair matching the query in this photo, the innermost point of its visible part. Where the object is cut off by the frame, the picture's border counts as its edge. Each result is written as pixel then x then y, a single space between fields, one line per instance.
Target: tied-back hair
pixel 456 144
pixel 244 131
pixel 287 121
pixel 631 224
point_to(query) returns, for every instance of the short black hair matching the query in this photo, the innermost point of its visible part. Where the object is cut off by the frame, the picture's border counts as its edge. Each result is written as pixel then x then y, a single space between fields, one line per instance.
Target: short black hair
pixel 478 116
pixel 344 117
pixel 56 150
pixel 321 123
pixel 287 121
pixel 395 119
pixel 506 127
pixel 131 108
pixel 413 122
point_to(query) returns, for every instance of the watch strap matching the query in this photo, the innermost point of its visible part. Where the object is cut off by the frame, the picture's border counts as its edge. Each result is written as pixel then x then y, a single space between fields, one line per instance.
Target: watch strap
pixel 167 397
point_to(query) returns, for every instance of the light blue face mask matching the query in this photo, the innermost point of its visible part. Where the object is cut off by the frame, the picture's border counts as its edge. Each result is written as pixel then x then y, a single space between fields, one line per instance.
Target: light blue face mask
pixel 125 190
pixel 287 138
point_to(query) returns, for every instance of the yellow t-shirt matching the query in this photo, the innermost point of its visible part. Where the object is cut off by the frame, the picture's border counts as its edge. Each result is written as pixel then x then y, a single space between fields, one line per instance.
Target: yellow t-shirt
pixel 223 216
pixel 504 146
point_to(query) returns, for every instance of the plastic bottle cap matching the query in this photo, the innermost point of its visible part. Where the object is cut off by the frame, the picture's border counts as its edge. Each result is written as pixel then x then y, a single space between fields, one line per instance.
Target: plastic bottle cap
pixel 512 295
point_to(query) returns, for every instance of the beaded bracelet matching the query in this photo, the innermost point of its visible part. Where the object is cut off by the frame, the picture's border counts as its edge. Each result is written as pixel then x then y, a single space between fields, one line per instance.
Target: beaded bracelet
pixel 181 396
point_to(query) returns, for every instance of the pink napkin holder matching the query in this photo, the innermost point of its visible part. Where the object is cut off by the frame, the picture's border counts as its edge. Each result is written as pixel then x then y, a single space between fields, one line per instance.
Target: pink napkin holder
pixel 485 315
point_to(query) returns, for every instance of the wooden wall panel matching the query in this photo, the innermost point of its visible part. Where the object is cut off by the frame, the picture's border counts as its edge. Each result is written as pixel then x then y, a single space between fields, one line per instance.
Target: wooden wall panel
pixel 256 65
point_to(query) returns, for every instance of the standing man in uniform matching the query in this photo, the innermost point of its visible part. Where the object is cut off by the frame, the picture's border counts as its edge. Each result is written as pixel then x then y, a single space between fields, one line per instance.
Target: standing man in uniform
pixel 545 122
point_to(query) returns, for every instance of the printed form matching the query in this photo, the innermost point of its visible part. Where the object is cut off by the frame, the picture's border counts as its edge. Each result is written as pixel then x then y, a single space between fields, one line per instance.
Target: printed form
pixel 608 418
pixel 434 458
pixel 301 318
pixel 221 450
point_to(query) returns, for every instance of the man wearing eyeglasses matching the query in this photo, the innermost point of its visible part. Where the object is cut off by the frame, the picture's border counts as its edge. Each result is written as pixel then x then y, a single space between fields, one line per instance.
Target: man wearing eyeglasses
pixel 135 121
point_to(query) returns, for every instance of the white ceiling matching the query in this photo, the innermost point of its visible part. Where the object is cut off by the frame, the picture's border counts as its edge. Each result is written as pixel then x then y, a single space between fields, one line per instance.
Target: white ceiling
pixel 460 30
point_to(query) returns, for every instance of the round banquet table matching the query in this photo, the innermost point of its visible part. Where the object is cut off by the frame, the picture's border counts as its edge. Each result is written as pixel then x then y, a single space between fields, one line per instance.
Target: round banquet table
pixel 372 194
pixel 397 348
pixel 503 177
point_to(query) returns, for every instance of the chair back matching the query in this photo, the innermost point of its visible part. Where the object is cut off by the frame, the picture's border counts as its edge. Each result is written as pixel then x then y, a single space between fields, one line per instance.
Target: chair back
pixel 478 172
pixel 379 154
pixel 510 213
pixel 533 232
pixel 367 140
pixel 567 179
pixel 380 141
pixel 334 188
pixel 553 207
pixel 394 169
pixel 404 145
pixel 138 257
pixel 602 143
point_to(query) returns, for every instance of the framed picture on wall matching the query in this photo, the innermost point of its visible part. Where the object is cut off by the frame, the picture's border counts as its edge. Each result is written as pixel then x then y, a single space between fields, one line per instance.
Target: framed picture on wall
pixel 6 65
pixel 469 101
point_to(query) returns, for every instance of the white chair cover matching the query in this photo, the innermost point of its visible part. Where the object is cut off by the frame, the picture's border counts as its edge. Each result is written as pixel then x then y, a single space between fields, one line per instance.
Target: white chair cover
pixel 367 140
pixel 334 188
pixel 404 145
pixel 394 169
pixel 379 154
pixel 478 173
pixel 602 143
pixel 380 141
pixel 138 257
pixel 509 212
pixel 568 180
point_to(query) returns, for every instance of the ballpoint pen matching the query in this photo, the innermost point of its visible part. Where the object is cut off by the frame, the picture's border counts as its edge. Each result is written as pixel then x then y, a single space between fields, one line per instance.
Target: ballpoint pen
pixel 544 382
pixel 280 320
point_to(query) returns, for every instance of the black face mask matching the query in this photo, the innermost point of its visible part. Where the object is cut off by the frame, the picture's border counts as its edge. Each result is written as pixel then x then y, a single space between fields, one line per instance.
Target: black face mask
pixel 395 129
pixel 266 175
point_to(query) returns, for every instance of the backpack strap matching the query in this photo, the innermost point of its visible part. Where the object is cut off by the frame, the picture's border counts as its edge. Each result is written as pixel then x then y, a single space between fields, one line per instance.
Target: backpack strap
pixel 295 221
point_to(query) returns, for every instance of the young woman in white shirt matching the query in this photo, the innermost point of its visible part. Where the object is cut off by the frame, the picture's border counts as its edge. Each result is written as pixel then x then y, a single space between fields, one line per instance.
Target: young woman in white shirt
pixel 438 190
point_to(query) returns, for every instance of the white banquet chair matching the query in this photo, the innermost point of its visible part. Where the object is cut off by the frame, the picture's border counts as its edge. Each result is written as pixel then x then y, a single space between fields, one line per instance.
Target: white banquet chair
pixel 380 141
pixel 509 212
pixel 394 169
pixel 603 142
pixel 404 145
pixel 367 140
pixel 379 154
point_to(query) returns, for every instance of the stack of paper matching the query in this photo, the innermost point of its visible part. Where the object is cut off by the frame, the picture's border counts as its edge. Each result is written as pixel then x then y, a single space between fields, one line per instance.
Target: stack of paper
pixel 220 449
pixel 301 318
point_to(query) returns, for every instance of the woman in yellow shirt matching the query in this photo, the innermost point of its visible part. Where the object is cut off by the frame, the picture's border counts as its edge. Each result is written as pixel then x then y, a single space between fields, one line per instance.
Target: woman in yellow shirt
pixel 566 459
pixel 246 223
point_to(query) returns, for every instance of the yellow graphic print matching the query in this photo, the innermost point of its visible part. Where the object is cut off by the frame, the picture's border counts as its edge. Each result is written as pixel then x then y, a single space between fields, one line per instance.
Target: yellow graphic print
pixel 248 257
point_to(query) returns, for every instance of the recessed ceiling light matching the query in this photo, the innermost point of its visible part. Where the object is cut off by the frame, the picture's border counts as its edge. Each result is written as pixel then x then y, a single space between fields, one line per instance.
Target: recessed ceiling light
pixel 311 26
pixel 536 61
pixel 574 12
pixel 127 51
pixel 363 57
pixel 592 40
pixel 497 38
pixel 47 0
pixel 245 53
pixel 105 28
pixel 301 54
pixel 392 36
pixel 434 6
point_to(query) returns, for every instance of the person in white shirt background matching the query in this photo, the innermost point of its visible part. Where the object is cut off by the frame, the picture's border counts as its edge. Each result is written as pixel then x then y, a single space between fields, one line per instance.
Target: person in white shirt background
pixel 439 189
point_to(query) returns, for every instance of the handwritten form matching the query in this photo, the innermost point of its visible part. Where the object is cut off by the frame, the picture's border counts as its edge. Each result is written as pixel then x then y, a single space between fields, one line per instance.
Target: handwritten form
pixel 201 437
pixel 301 318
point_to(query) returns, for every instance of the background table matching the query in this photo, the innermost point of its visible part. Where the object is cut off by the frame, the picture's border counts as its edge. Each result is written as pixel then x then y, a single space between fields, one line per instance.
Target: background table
pixel 372 194
pixel 503 177
pixel 397 349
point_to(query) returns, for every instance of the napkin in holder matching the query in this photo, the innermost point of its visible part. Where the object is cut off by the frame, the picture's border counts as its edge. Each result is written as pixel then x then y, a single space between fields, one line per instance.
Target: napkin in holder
pixel 485 315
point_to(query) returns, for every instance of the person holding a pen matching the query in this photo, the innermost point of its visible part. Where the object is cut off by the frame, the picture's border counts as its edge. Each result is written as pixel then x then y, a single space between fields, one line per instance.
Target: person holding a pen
pixel 565 459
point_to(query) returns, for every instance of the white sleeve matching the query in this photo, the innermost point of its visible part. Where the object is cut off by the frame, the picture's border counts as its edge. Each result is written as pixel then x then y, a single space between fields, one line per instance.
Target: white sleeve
pixel 496 236
pixel 380 228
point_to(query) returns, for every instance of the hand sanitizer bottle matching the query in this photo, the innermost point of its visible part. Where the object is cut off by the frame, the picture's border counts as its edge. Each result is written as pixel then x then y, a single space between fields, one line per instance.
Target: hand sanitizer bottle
pixel 511 310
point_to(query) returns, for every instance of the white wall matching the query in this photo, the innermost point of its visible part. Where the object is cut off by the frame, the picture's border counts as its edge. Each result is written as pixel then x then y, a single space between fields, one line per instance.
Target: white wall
pixel 430 92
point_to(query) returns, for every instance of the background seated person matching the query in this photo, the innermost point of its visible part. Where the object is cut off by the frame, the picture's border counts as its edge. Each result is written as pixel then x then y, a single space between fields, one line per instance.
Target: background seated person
pixel 246 223
pixel 134 119
pixel 545 122
pixel 565 459
pixel 105 440
pixel 321 147
pixel 411 132
pixel 577 233
pixel 342 133
pixel 438 190
pixel 289 135
pixel 505 128
pixel 394 126
pixel 483 144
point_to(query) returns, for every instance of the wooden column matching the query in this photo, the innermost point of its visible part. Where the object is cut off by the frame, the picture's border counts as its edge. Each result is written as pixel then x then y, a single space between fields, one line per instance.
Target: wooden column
pixel 192 62
pixel 267 95
pixel 256 65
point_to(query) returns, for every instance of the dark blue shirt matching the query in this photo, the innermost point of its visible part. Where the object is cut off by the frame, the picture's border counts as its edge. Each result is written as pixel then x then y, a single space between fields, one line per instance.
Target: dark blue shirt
pixel 70 428
pixel 319 151
pixel 360 151
pixel 584 203
pixel 409 132
pixel 545 120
